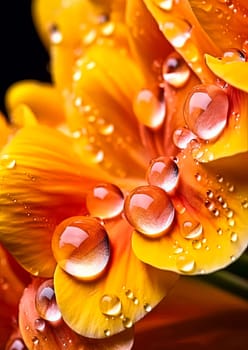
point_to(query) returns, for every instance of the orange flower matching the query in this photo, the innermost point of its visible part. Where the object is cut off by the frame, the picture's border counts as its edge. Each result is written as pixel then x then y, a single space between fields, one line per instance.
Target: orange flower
pixel 127 168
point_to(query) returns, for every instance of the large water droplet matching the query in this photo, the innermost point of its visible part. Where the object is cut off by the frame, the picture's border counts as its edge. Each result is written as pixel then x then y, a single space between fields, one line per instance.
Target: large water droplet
pixel 105 201
pixel 149 108
pixel 149 210
pixel 185 263
pixel 45 302
pixel 192 229
pixel 81 247
pixel 164 4
pixel 17 344
pixel 163 172
pixel 182 137
pixel 206 111
pixel 110 305
pixel 177 32
pixel 175 71
pixel 233 55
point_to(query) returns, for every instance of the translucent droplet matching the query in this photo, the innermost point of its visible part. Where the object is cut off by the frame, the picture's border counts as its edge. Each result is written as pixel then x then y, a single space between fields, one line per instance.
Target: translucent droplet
pixel 234 237
pixel 206 111
pixel 230 214
pixel 233 55
pixel 40 324
pixel 198 177
pixel 185 264
pixel 35 340
pixel 17 344
pixel 220 231
pixel 149 210
pixel 105 201
pixel 127 322
pixel 210 194
pixel 110 305
pixel 129 294
pixel 196 244
pixel 231 222
pixel 45 302
pixel 7 162
pixel 192 230
pixel 182 137
pixel 147 307
pixel 164 4
pixel 81 247
pixel 177 32
pixel 163 172
pixel 245 204
pixel 149 108
pixel 107 332
pixel 175 71
pixel 56 36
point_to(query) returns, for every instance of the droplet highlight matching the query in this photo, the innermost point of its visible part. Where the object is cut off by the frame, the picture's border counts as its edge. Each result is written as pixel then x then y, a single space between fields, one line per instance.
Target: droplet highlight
pixel 192 229
pixel 182 137
pixel 185 264
pixel 110 305
pixel 164 4
pixel 175 71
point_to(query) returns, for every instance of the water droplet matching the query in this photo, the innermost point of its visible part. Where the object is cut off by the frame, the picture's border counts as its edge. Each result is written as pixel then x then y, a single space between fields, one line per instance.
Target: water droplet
pixel 40 324
pixel 45 302
pixel 56 36
pixel 177 32
pixel 192 230
pixel 17 344
pixel 35 341
pixel 206 110
pixel 185 263
pixel 233 55
pixel 234 237
pixel 7 162
pixel 129 294
pixel 149 210
pixel 127 323
pixel 110 305
pixel 147 307
pixel 108 28
pixel 149 108
pixel 164 173
pixel 209 205
pixel 231 222
pixel 182 137
pixel 219 178
pixel 196 244
pixel 230 214
pixel 89 37
pixel 198 177
pixel 107 332
pixel 164 4
pixel 210 194
pixel 220 231
pixel 245 204
pixel 81 247
pixel 135 301
pixel 175 71
pixel 105 201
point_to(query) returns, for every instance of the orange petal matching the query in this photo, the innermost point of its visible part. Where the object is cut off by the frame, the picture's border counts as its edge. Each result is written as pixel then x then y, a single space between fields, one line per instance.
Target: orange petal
pixel 42 99
pixel 134 286
pixel 5 130
pixel 42 182
pixel 195 315
pixel 210 227
pixel 184 32
pixel 48 336
pixel 224 21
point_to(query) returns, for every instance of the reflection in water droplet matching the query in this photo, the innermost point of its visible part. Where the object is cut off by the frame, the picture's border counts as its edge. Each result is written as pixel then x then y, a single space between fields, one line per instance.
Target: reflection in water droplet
pixel 206 110
pixel 149 108
pixel 164 173
pixel 105 201
pixel 40 324
pixel 55 35
pixel 185 264
pixel 45 302
pixel 110 305
pixel 149 210
pixel 17 344
pixel 234 237
pixel 192 230
pixel 164 4
pixel 7 162
pixel 81 247
pixel 182 137
pixel 175 71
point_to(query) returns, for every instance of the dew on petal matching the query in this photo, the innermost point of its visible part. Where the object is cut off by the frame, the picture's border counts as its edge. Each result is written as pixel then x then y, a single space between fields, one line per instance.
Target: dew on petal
pixel 147 307
pixel 40 324
pixel 81 247
pixel 177 32
pixel 45 302
pixel 127 322
pixel 244 204
pixel 182 137
pixel 175 71
pixel 56 36
pixel 17 344
pixel 105 201
pixel 164 4
pixel 163 172
pixel 233 55
pixel 149 210
pixel 110 305
pixel 206 111
pixel 234 237
pixel 149 108
pixel 192 229
pixel 107 333
pixel 7 162
pixel 185 263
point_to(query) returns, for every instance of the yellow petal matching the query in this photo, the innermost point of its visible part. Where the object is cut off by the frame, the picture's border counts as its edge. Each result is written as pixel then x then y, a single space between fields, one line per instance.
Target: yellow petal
pixel 42 182
pixel 48 336
pixel 134 286
pixel 5 130
pixel 234 73
pixel 210 229
pixel 42 99
pixel 184 32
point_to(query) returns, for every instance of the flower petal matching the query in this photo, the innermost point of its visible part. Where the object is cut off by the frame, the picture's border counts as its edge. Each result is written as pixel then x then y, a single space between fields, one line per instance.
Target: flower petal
pixel 138 287
pixel 184 32
pixel 210 227
pixel 5 131
pixel 48 336
pixel 42 182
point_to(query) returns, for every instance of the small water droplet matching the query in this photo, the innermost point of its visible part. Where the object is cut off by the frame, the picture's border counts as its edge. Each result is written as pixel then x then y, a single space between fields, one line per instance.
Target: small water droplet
pixel 89 37
pixel 210 194
pixel 149 210
pixel 209 205
pixel 105 201
pixel 206 110
pixel 40 324
pixel 147 307
pixel 107 332
pixel 81 247
pixel 127 322
pixel 192 230
pixel 233 55
pixel 219 178
pixel 108 28
pixel 45 302
pixel 110 305
pixel 185 264
pixel 198 177
pixel 129 294
pixel 220 231
pixel 234 237
pixel 175 71
pixel 135 301
pixel 196 244
pixel 182 137
pixel 56 36
pixel 35 341
pixel 244 204
pixel 230 214
pixel 164 4
pixel 7 162
pixel 150 108
pixel 231 222
pixel 164 173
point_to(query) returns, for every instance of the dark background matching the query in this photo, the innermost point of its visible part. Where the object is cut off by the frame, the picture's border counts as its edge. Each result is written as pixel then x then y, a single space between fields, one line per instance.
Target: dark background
pixel 22 55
